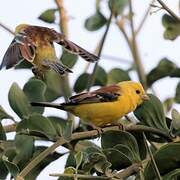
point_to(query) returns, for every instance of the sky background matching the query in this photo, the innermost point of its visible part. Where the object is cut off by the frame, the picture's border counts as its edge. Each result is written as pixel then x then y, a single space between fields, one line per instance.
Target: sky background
pixel 150 40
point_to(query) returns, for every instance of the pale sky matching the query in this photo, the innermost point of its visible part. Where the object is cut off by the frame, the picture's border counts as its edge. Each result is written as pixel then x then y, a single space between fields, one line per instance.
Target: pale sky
pixel 151 44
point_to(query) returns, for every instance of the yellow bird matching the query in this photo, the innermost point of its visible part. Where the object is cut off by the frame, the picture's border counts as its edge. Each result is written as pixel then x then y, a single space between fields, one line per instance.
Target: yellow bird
pixel 103 106
pixel 35 44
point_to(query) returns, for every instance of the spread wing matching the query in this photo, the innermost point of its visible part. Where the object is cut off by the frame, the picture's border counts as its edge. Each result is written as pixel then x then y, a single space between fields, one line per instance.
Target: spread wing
pixel 21 47
pixel 104 94
pixel 72 47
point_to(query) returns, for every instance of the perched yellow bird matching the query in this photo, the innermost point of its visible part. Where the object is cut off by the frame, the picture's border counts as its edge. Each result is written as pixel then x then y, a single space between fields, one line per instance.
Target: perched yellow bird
pixel 35 44
pixel 105 105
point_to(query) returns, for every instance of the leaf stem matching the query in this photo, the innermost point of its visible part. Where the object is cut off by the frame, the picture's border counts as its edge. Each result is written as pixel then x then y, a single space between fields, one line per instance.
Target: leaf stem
pixel 93 75
pixel 154 165
pixel 169 10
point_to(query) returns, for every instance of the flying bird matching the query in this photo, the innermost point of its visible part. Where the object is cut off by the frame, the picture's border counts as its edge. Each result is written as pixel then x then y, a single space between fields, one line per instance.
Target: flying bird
pixel 36 45
pixel 103 106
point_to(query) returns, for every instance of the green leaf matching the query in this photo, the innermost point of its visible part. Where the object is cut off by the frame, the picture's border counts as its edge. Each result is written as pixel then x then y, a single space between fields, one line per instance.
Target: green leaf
pixel 12 167
pixel 58 123
pixel 71 161
pixel 164 68
pixel 24 64
pixel 118 159
pixel 175 119
pixel 3 169
pixel 68 129
pixel 101 77
pixel 177 96
pixel 79 159
pixel 117 75
pixel 35 90
pixel 53 83
pixel 112 138
pixel 38 169
pixel 48 16
pixel 117 6
pixel 24 150
pixel 2 133
pixel 81 82
pixel 168 103
pixel 38 124
pixel 172 175
pixel 167 153
pixel 19 102
pixel 4 114
pixel 151 113
pixel 69 59
pixel 95 22
pixel 172 27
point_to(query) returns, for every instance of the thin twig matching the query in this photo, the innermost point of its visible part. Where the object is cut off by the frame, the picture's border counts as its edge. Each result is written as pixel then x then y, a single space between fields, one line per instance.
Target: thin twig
pixel 169 10
pixel 135 52
pixel 154 165
pixel 134 168
pixel 10 128
pixel 77 176
pixel 6 28
pixel 93 75
pixel 144 18
pixel 86 135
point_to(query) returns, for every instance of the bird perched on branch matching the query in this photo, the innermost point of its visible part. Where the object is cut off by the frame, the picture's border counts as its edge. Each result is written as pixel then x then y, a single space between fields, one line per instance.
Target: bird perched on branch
pixel 35 44
pixel 105 105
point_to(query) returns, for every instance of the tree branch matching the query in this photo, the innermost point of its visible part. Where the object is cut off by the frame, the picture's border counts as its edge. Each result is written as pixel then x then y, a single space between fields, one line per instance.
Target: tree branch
pixel 6 28
pixel 135 52
pixel 86 135
pixel 169 10
pixel 93 75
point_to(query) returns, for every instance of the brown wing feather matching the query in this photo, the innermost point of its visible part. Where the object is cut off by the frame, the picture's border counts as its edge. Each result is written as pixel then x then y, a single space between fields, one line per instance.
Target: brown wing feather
pixel 12 56
pixel 104 94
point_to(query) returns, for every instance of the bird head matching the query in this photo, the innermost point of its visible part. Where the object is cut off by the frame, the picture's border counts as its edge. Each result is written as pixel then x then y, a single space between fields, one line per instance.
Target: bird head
pixel 20 28
pixel 134 90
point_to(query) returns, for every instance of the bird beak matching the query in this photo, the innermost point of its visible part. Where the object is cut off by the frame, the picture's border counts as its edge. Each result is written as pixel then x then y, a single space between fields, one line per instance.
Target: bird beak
pixel 145 97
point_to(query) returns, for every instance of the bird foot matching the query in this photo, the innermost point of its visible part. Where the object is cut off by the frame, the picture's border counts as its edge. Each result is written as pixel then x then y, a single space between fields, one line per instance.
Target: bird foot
pixel 99 129
pixel 120 126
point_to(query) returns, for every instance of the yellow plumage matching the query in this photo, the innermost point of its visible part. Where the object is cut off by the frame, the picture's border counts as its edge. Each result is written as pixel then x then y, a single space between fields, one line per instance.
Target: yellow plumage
pixel 105 105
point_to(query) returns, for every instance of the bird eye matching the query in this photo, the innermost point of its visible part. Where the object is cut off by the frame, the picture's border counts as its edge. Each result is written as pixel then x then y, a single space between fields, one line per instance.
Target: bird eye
pixel 138 92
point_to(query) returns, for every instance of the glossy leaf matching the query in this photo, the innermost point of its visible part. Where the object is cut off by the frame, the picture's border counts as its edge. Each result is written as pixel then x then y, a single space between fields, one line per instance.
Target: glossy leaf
pixel 175 119
pixel 24 150
pixel 3 169
pixel 117 75
pixel 68 129
pixel 112 138
pixel 151 113
pixel 79 159
pixel 95 21
pixel 172 175
pixel 69 59
pixel 35 90
pixel 172 27
pixel 117 6
pixel 48 16
pixel 177 96
pixel 19 102
pixel 167 153
pixel 12 167
pixel 58 123
pixel 53 83
pixel 168 103
pixel 71 161
pixel 38 124
pixel 163 69
pixel 101 77
pixel 4 114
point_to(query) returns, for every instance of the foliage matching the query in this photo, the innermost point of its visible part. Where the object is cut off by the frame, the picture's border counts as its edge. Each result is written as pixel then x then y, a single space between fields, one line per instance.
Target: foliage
pixel 118 150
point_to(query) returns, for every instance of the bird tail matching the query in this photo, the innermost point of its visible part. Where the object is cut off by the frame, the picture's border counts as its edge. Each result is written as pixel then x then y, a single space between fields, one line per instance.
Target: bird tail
pixel 48 104
pixel 57 67
pixel 74 48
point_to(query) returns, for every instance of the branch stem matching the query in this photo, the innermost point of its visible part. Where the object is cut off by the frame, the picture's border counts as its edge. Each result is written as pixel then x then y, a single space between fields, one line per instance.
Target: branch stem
pixel 6 28
pixel 93 75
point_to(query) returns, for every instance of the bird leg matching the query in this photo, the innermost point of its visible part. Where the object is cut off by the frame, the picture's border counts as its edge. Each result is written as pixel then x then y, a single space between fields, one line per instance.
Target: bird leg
pixel 99 129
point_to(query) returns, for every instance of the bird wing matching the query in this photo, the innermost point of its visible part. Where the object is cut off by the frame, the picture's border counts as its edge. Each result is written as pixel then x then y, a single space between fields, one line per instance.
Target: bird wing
pixel 21 47
pixel 72 47
pixel 104 94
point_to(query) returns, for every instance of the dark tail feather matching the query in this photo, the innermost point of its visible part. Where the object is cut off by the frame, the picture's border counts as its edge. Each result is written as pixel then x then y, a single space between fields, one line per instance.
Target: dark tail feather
pixel 57 67
pixel 74 48
pixel 47 104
